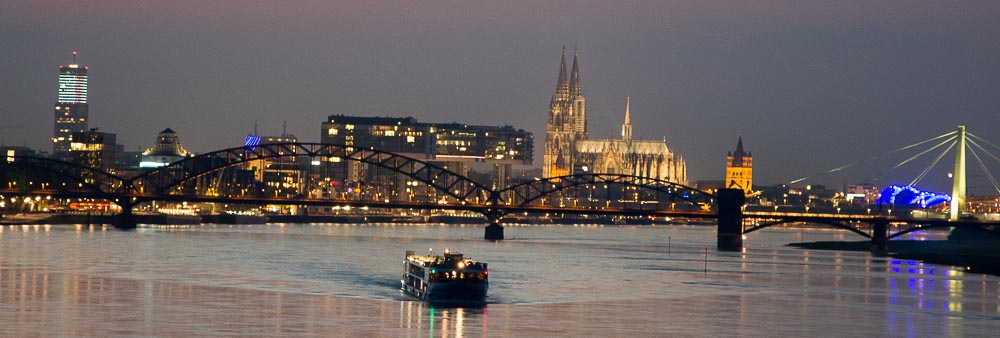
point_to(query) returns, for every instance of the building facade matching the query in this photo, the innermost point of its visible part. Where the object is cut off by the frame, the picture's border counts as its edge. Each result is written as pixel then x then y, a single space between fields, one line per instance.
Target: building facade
pixel 71 108
pixel 739 169
pixel 452 146
pixel 568 149
pixel 94 149
pixel 168 149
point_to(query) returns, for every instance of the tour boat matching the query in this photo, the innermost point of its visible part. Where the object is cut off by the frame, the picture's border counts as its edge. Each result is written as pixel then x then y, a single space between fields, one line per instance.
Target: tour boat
pixel 451 278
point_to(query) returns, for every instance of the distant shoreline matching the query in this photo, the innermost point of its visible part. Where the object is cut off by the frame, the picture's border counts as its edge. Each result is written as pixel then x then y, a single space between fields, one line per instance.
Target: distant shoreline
pixel 972 255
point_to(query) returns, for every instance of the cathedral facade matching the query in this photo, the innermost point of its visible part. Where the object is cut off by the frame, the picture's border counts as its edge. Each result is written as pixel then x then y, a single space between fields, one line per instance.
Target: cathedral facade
pixel 568 149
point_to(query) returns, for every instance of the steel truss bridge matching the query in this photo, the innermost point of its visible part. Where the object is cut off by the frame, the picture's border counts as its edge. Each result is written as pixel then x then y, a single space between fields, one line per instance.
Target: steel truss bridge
pixel 391 181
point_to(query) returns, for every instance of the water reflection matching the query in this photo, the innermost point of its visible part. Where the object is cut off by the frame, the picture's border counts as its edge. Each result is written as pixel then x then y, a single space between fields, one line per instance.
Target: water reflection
pixel 82 305
pixel 294 281
pixel 441 321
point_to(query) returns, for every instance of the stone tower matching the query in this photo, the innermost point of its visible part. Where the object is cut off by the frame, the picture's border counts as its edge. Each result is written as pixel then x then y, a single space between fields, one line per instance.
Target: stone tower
pixel 739 169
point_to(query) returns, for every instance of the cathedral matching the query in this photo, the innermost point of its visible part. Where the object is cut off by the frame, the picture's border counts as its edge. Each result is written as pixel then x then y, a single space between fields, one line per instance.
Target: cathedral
pixel 568 149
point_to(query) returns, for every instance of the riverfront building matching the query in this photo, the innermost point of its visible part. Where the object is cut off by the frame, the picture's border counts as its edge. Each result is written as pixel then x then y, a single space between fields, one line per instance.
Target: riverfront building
pixel 94 149
pixel 454 145
pixel 71 109
pixel 279 176
pixel 568 149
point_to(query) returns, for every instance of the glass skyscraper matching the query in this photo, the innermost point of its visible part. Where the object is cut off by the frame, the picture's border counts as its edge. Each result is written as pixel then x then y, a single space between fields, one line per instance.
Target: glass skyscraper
pixel 71 109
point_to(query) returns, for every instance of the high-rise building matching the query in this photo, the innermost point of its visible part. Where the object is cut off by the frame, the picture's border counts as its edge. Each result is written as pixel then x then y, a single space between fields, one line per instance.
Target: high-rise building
pixel 71 109
pixel 739 169
pixel 569 150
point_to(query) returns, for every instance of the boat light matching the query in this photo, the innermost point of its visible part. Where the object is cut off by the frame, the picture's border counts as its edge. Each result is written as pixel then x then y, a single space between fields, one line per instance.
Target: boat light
pixel 461 265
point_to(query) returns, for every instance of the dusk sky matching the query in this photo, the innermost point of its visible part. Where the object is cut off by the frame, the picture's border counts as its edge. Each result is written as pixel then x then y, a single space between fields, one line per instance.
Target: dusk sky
pixel 809 85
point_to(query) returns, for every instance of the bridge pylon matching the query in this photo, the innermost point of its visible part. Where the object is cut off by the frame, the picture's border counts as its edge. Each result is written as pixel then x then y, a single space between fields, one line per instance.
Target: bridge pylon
pixel 958 185
pixel 730 232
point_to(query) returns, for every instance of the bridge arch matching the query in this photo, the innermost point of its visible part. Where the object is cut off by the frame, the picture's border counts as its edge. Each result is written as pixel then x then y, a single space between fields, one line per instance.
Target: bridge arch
pixel 919 227
pixel 174 174
pixel 832 223
pixel 85 179
pixel 528 192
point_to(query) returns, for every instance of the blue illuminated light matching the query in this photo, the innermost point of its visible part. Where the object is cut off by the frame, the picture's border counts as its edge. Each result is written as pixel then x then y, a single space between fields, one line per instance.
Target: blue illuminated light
pixel 251 141
pixel 908 195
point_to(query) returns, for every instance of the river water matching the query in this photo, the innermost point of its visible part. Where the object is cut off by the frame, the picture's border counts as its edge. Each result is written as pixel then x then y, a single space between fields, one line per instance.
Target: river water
pixel 339 280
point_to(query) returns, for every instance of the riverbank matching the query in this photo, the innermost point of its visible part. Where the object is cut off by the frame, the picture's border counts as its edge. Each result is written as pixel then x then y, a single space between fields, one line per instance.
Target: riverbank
pixel 974 255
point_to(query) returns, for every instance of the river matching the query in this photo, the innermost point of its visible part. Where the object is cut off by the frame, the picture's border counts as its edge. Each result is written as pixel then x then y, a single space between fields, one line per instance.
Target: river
pixel 342 280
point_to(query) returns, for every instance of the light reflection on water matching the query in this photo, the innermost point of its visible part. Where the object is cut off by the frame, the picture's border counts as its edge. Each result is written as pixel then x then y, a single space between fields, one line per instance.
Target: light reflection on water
pixel 342 280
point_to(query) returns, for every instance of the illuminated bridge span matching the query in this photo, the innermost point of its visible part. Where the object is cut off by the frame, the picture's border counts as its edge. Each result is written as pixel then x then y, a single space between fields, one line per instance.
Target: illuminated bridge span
pixel 314 174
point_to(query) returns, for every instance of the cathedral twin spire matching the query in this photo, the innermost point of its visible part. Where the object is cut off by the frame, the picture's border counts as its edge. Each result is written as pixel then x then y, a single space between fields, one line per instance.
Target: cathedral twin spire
pixel 568 88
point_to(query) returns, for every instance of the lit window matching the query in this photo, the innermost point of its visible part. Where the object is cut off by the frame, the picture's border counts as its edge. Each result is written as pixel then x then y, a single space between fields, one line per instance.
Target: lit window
pixel 331 131
pixel 410 139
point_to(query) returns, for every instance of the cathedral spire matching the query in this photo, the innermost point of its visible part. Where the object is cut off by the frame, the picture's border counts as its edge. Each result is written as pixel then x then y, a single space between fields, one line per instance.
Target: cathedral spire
pixel 627 126
pixel 574 79
pixel 562 87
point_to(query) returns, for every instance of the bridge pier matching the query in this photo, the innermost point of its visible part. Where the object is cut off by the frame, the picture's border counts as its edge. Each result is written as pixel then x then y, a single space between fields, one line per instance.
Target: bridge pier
pixel 730 232
pixel 125 220
pixel 494 231
pixel 880 237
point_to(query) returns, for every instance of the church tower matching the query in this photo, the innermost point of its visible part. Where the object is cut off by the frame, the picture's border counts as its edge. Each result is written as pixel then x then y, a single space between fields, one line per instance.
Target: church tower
pixel 739 169
pixel 567 121
pixel 627 126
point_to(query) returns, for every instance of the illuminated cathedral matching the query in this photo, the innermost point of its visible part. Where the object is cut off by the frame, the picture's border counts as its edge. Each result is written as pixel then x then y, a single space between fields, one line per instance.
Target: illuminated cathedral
pixel 568 149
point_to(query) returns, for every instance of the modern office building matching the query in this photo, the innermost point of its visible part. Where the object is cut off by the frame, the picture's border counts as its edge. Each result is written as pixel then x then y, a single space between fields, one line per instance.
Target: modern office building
pixel 452 145
pixel 94 149
pixel 441 142
pixel 280 176
pixel 71 108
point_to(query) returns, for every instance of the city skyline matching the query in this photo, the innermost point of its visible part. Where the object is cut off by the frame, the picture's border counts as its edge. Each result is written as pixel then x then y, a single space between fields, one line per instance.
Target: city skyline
pixel 840 82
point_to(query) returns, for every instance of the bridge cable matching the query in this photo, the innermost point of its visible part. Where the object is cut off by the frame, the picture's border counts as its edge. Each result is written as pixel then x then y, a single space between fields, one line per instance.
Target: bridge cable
pixel 951 133
pixel 983 165
pixel 914 157
pixel 982 139
pixel 973 142
pixel 934 163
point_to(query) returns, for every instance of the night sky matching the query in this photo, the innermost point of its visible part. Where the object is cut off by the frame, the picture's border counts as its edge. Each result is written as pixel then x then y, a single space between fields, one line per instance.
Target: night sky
pixel 809 85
